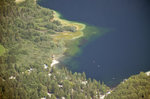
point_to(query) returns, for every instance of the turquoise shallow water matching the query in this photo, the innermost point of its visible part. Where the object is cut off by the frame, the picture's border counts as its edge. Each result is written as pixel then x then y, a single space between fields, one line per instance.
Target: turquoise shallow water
pixel 118 54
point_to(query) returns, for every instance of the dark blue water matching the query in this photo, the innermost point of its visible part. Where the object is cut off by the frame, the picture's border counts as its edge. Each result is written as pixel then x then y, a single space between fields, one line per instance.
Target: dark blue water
pixel 122 52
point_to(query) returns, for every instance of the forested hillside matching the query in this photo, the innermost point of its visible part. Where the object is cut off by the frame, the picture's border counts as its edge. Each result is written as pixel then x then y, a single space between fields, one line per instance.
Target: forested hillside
pixel 26 50
pixel 136 87
pixel 27 46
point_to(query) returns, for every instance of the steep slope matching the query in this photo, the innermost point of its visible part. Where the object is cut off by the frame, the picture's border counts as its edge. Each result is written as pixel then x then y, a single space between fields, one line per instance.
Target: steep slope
pixel 29 33
pixel 136 87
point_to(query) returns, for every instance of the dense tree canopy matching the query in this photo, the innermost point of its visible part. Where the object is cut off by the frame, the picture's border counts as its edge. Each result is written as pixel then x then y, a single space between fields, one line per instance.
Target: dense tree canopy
pixel 27 45
pixel 136 87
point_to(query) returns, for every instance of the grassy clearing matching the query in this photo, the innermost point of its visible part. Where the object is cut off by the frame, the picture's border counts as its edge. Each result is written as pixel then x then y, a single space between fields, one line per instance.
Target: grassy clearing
pixel 2 50
pixel 68 35
pixel 18 1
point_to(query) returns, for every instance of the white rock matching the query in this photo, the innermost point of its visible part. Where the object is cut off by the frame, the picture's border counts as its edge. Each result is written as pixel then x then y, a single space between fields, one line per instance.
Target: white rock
pixel 12 77
pixel 30 70
pixel 124 80
pixel 43 98
pixel 62 97
pixel 60 86
pixel 49 74
pixel 148 73
pixel 84 82
pixel 102 96
pixel 45 66
pixel 108 92
pixel 54 62
pixel 49 94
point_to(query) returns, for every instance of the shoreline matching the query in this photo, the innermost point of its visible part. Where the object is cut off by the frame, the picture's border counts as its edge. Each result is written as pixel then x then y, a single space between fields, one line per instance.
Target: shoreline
pixel 66 35
pixel 19 1
pixel 147 73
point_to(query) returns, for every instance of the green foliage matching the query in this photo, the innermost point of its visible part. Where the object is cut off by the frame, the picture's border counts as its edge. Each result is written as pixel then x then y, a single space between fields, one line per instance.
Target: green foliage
pixel 70 28
pixel 2 50
pixel 26 31
pixel 136 87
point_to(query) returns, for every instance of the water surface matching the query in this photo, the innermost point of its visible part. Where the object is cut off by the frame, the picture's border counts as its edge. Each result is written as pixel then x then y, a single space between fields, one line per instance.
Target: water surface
pixel 122 52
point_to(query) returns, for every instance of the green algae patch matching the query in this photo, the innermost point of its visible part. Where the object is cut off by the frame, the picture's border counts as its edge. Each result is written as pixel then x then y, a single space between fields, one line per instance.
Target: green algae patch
pixel 2 50
pixel 72 39
pixel 76 47
pixel 75 41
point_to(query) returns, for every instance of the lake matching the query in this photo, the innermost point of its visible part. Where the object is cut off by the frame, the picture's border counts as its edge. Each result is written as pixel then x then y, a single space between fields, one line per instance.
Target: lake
pixel 120 53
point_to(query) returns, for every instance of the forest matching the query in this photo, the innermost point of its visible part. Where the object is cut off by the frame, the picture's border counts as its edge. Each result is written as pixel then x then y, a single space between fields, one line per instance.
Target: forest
pixel 135 87
pixel 27 46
